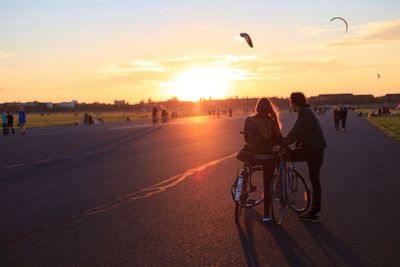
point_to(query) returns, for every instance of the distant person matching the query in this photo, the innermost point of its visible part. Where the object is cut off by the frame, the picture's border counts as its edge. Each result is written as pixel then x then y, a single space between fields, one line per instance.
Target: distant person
pixel 343 116
pixel 307 132
pixel 22 120
pixel 4 122
pixel 154 116
pixel 336 117
pixel 261 133
pixel 230 112
pixel 86 119
pixel 10 123
pixel 164 115
pixel 90 119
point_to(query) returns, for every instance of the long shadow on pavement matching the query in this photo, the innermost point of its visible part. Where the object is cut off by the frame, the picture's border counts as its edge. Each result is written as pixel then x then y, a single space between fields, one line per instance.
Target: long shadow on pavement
pixel 329 244
pixel 293 252
pixel 247 238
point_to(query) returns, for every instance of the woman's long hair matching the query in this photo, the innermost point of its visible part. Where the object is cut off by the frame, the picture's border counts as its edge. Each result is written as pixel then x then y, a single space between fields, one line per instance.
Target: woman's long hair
pixel 265 108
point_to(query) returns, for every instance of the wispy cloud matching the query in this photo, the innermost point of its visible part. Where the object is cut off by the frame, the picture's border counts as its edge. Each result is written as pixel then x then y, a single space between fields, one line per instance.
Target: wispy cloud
pixel 376 33
pixel 6 55
pixel 329 64
pixel 307 30
pixel 131 68
pixel 127 69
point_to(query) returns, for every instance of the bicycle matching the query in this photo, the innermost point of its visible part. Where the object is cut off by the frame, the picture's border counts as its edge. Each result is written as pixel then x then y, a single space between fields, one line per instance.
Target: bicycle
pixel 244 193
pixel 288 189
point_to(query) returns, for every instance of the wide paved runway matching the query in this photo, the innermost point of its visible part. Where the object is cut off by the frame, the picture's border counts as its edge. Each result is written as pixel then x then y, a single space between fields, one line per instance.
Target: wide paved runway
pixel 128 194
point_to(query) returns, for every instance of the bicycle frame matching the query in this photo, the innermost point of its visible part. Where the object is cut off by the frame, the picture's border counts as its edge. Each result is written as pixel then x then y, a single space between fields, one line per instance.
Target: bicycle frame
pixel 285 190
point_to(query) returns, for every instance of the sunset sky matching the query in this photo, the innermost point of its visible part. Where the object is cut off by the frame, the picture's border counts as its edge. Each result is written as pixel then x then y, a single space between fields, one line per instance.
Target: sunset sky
pixel 132 50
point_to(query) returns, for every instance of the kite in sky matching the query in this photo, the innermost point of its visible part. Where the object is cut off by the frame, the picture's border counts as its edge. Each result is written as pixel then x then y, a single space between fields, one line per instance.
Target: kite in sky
pixel 379 76
pixel 247 38
pixel 347 25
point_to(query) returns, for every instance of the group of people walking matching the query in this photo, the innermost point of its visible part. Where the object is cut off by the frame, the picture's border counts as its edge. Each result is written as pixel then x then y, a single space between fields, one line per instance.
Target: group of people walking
pixel 7 120
pixel 340 114
pixel 262 134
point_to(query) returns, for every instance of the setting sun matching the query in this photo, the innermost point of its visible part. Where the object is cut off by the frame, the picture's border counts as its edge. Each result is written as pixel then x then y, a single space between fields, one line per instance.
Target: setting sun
pixel 200 82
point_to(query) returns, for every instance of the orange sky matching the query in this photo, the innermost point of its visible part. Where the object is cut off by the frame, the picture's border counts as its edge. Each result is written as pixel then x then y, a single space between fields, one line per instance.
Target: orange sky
pixel 60 52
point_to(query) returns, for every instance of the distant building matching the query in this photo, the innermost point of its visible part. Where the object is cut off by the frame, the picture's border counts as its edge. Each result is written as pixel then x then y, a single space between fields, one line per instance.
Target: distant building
pixel 119 102
pixel 49 105
pixel 392 98
pixel 31 104
pixel 334 99
pixel 71 104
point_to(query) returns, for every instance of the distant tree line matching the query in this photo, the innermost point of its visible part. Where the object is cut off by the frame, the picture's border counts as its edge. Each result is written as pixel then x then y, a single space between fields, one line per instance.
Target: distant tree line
pixel 202 106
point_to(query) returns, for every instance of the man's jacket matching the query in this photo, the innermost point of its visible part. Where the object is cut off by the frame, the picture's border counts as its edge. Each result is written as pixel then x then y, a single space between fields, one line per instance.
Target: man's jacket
pixel 307 130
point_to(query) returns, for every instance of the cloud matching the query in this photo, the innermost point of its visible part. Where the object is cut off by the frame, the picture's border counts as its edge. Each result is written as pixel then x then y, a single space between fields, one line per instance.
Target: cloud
pixel 375 33
pixel 6 55
pixel 314 30
pixel 156 67
pixel 131 67
pixel 329 64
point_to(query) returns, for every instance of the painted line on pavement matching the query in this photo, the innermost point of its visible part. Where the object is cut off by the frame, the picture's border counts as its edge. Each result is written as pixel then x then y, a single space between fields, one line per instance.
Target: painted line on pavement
pixel 87 153
pixel 14 165
pixel 42 161
pixel 67 157
pixel 144 193
pixel 153 189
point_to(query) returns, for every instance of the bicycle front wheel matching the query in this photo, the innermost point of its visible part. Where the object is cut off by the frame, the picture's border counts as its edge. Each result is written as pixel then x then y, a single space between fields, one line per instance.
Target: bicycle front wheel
pixel 298 193
pixel 278 203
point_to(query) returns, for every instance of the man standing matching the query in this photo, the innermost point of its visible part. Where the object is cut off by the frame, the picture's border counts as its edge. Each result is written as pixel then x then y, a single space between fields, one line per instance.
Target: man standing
pixel 154 115
pixel 4 122
pixel 343 116
pixel 10 122
pixel 307 132
pixel 22 120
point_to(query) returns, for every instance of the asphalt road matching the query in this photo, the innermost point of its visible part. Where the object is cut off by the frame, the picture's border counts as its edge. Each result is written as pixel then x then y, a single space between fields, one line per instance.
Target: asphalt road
pixel 128 194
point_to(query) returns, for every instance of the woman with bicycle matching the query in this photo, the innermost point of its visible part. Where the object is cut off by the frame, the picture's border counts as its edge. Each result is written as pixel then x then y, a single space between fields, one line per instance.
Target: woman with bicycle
pixel 261 133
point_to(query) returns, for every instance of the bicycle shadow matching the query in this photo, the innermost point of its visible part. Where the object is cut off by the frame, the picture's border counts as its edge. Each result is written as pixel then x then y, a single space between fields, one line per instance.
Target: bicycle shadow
pixel 247 238
pixel 330 244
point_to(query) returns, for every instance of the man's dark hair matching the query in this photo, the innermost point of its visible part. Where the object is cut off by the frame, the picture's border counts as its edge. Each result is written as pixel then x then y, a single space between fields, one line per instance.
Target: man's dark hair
pixel 298 98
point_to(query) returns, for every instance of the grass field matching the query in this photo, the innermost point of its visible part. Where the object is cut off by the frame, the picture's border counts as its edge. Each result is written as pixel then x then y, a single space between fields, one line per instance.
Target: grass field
pixel 70 118
pixel 388 124
pixel 56 119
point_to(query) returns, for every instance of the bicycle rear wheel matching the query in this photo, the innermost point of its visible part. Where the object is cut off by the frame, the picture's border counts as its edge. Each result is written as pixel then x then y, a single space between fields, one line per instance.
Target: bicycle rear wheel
pixel 242 195
pixel 278 203
pixel 238 211
pixel 298 193
pixel 255 187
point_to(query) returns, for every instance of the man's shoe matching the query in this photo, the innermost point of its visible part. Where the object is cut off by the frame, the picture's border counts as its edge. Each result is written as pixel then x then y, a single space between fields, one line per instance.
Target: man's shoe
pixel 310 217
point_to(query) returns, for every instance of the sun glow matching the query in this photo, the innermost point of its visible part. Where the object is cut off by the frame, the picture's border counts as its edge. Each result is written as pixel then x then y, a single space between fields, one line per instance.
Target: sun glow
pixel 200 82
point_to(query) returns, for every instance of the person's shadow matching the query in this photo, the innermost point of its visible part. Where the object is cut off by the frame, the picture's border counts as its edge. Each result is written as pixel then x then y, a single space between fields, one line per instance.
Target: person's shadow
pixel 330 245
pixel 293 252
pixel 335 252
